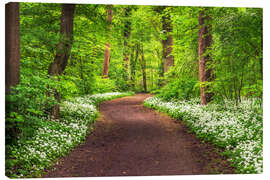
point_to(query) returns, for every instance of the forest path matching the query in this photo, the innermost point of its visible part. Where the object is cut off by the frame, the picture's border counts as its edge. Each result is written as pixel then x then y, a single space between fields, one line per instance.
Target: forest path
pixel 130 139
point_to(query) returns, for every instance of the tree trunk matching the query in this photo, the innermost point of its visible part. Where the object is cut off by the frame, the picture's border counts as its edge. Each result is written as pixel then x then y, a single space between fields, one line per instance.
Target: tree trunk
pixel 106 61
pixel 133 62
pixel 205 41
pixel 167 43
pixel 132 67
pixel 12 43
pixel 63 49
pixel 94 50
pixel 160 69
pixel 127 29
pixel 107 48
pixel 143 66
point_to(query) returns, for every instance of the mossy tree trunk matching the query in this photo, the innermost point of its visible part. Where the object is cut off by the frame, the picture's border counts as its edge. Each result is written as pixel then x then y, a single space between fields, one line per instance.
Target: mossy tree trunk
pixel 167 43
pixel 205 41
pixel 63 49
pixel 127 29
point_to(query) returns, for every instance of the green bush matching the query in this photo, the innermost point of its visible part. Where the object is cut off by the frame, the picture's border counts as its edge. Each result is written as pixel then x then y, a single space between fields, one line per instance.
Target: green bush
pixel 68 87
pixel 27 102
pixel 179 89
pixel 102 85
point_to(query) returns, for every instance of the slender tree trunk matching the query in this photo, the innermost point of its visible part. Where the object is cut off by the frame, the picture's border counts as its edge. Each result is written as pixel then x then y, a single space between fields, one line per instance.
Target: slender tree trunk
pixel 167 43
pixel 106 61
pixel 94 50
pixel 108 46
pixel 240 86
pixel 127 29
pixel 205 41
pixel 143 66
pixel 63 48
pixel 231 85
pixel 133 62
pixel 132 67
pixel 160 69
pixel 152 75
pixel 12 43
pixel 235 91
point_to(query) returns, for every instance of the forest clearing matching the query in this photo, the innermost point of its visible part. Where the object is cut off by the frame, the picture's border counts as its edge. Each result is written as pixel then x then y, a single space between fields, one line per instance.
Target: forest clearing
pixel 132 90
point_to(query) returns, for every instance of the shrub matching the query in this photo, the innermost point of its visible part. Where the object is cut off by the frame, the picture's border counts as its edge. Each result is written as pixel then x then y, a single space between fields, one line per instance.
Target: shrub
pixel 27 102
pixel 102 85
pixel 179 89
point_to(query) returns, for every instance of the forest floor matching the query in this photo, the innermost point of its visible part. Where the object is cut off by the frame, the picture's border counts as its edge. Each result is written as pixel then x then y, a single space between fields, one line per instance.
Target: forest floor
pixel 130 140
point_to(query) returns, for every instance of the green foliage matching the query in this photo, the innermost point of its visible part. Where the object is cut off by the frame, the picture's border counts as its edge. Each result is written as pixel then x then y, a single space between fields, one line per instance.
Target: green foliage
pixel 237 52
pixel 179 89
pixel 236 49
pixel 102 85
pixel 27 102
pixel 254 90
pixel 185 46
pixel 39 34
pixel 67 87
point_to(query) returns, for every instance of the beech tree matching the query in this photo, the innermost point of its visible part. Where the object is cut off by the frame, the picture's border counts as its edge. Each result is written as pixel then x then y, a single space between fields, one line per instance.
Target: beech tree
pixel 167 43
pixel 12 60
pixel 63 48
pixel 133 62
pixel 205 41
pixel 143 68
pixel 108 46
pixel 166 40
pixel 127 29
pixel 12 43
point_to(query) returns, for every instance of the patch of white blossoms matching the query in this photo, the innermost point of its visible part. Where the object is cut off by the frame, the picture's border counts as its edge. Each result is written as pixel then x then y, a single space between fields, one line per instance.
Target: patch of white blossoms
pixel 238 129
pixel 57 137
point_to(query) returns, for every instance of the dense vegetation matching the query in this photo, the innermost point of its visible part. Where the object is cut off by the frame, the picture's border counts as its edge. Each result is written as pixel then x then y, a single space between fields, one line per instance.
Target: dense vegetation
pixel 60 53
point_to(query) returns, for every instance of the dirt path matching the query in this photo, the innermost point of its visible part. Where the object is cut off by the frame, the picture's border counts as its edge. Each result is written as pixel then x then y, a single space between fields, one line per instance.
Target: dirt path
pixel 130 139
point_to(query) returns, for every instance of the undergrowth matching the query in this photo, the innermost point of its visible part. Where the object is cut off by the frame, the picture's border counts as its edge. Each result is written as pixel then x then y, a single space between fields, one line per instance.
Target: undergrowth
pixel 54 138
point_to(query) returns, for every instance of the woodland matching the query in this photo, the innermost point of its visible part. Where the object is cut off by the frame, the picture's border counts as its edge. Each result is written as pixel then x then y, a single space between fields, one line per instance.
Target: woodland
pixel 204 65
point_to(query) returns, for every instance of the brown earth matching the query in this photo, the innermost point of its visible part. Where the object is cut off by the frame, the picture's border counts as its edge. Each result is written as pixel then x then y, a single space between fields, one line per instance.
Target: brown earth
pixel 132 140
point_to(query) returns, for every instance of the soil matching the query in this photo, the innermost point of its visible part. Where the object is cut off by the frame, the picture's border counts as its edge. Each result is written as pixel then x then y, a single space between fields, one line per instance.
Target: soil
pixel 132 140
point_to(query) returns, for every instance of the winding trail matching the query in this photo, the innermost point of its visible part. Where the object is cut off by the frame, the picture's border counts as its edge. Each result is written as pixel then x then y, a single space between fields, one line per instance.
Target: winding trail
pixel 130 140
